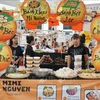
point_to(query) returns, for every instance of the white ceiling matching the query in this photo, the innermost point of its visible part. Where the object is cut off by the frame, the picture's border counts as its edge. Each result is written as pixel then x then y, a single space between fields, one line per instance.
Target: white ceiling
pixel 14 3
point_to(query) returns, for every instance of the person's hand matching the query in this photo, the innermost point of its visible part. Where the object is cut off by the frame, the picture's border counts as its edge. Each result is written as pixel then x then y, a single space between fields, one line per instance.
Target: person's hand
pixel 16 62
pixel 13 61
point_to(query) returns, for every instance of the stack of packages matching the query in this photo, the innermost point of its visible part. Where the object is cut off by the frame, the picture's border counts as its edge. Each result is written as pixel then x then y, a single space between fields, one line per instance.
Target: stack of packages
pixel 29 64
pixel 36 61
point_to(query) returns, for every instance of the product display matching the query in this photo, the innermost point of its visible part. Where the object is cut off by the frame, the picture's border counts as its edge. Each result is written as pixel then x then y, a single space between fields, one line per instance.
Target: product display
pixel 17 75
pixel 29 62
pixel 59 46
pixel 36 61
pixel 65 72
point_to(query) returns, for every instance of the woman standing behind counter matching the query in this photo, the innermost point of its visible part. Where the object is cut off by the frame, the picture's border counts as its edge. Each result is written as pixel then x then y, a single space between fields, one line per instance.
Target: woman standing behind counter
pixel 29 50
pixel 17 52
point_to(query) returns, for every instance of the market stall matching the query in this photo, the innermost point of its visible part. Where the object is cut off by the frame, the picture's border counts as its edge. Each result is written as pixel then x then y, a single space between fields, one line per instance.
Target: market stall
pixel 34 87
pixel 44 72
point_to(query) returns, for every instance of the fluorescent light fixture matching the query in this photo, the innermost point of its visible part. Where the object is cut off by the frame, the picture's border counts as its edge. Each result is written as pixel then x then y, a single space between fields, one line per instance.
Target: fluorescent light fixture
pixel 91 1
pixel 7 7
pixel 85 1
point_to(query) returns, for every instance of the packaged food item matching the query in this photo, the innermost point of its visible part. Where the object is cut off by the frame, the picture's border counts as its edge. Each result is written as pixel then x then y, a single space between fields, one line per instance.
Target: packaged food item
pixel 36 58
pixel 29 65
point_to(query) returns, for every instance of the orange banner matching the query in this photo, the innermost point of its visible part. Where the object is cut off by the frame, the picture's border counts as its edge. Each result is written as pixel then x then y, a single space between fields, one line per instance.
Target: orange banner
pixel 16 89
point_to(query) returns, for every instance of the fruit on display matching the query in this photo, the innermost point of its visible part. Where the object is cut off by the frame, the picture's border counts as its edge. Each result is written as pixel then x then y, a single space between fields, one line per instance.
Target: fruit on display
pixel 46 59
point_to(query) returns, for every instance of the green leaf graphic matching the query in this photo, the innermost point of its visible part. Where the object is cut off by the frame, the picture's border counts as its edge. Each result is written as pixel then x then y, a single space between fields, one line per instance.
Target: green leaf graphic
pixel 1 46
pixel 8 16
pixel 69 1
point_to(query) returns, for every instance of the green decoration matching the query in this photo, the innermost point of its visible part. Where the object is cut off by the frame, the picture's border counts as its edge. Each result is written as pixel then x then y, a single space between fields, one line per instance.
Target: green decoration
pixel 66 5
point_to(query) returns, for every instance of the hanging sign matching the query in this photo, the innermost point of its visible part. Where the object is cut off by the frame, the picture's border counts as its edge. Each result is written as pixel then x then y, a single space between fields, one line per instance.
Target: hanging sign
pixel 95 28
pixel 7 26
pixel 96 57
pixel 5 55
pixel 71 12
pixel 35 11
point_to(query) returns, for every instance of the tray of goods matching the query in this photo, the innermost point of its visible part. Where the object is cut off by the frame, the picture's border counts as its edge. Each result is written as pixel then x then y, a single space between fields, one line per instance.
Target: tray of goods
pixel 89 74
pixel 59 61
pixel 17 75
pixel 65 72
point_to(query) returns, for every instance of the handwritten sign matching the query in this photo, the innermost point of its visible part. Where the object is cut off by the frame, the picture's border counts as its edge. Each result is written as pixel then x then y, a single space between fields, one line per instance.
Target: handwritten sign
pixel 71 12
pixel 96 57
pixel 7 26
pixel 35 11
pixel 95 28
pixel 5 55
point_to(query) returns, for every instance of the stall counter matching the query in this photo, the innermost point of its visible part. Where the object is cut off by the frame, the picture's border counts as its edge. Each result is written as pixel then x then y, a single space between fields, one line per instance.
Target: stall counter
pixel 43 89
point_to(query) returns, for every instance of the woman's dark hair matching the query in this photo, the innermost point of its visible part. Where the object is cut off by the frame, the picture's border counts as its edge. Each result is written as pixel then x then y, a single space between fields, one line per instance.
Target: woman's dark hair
pixel 90 44
pixel 82 38
pixel 11 42
pixel 29 39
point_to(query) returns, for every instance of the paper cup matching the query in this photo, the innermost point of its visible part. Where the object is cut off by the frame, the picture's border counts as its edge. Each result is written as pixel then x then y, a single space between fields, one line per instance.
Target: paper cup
pixel 77 64
pixel 36 58
pixel 29 58
pixel 78 57
pixel 29 65
pixel 29 62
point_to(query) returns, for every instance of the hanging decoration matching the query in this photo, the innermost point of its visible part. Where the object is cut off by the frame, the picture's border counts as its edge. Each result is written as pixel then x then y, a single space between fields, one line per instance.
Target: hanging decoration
pixel 96 57
pixel 71 12
pixel 30 26
pixel 87 36
pixel 78 27
pixel 5 55
pixel 35 12
pixel 95 28
pixel 53 21
pixel 7 26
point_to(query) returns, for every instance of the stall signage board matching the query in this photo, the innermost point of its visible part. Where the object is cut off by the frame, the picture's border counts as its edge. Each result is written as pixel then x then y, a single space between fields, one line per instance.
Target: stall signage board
pixel 71 12
pixel 11 89
pixel 5 55
pixel 35 12
pixel 8 26
pixel 95 28
pixel 96 57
